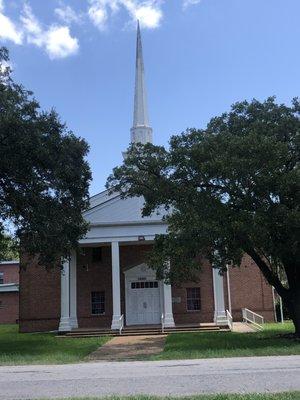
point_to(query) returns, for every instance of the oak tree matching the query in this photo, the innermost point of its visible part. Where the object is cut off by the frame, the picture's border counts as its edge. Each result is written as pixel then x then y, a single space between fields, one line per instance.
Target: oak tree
pixel 229 190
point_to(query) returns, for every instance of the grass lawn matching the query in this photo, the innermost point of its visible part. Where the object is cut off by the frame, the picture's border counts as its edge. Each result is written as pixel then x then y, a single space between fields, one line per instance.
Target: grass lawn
pixel 230 344
pixel 279 396
pixel 42 348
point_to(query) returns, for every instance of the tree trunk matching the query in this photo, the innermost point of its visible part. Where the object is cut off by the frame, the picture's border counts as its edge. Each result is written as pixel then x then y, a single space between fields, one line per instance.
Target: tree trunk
pixel 293 305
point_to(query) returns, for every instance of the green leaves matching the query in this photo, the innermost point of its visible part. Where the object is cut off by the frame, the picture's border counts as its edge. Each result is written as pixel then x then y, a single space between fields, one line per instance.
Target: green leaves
pixel 229 188
pixel 44 176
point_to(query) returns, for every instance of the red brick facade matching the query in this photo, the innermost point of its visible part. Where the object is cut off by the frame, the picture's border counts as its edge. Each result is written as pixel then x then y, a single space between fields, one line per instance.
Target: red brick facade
pixel 9 300
pixel 249 289
pixel 40 291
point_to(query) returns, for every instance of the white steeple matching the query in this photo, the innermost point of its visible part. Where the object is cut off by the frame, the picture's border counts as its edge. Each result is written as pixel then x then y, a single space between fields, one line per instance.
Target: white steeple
pixel 141 132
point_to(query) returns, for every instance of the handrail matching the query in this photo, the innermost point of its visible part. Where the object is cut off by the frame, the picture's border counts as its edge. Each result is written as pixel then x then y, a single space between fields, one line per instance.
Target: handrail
pixel 162 319
pixel 229 319
pixel 253 318
pixel 121 324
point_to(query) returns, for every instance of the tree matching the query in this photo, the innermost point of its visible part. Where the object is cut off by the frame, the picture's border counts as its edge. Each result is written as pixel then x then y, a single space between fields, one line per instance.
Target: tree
pixel 8 247
pixel 44 176
pixel 230 189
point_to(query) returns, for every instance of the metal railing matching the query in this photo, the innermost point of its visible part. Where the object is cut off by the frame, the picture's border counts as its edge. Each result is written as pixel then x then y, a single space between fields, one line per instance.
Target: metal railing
pixel 121 324
pixel 253 318
pixel 162 319
pixel 229 319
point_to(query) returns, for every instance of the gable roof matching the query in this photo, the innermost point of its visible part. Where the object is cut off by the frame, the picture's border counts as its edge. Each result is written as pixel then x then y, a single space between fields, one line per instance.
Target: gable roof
pixel 112 209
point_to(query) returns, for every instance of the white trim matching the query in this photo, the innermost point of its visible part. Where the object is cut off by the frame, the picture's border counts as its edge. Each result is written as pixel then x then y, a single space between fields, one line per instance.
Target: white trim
pixel 132 275
pixel 126 223
pixel 110 239
pixel 12 262
pixel 65 323
pixel 168 307
pixel 220 317
pixel 9 287
pixel 73 290
pixel 115 263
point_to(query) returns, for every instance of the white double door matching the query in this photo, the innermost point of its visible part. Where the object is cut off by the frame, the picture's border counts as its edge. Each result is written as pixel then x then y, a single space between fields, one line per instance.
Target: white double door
pixel 143 305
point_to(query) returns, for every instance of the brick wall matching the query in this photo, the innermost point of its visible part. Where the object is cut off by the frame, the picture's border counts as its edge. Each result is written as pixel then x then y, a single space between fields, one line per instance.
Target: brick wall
pixel 9 307
pixel 206 314
pixel 249 289
pixel 9 301
pixel 97 276
pixel 10 272
pixel 39 298
pixel 40 291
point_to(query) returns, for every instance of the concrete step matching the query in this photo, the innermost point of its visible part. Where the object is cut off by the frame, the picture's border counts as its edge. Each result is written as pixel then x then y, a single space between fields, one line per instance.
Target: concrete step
pixel 141 332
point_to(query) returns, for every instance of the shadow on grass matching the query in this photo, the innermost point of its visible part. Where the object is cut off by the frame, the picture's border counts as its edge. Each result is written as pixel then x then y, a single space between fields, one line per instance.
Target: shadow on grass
pixel 24 348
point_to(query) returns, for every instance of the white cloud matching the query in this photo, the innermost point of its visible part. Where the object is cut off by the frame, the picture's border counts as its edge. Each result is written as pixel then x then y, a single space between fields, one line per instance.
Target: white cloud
pixel 56 40
pixel 59 43
pixel 148 12
pixel 187 3
pixel 66 14
pixel 98 13
pixel 8 30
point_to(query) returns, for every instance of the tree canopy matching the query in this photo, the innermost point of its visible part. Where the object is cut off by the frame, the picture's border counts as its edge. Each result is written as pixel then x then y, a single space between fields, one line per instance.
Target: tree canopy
pixel 44 175
pixel 229 189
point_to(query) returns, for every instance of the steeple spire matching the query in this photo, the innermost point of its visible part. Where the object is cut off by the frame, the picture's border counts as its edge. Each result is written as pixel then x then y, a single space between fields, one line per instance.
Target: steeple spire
pixel 141 132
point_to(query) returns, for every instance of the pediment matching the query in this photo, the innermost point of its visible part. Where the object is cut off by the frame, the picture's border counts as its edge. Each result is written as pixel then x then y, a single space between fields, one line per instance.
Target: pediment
pixel 116 210
pixel 139 272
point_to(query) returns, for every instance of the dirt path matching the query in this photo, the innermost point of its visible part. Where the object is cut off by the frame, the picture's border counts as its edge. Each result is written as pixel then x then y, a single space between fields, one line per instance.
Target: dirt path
pixel 124 348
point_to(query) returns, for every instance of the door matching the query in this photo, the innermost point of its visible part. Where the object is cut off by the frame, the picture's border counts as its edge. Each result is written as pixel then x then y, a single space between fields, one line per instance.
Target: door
pixel 143 303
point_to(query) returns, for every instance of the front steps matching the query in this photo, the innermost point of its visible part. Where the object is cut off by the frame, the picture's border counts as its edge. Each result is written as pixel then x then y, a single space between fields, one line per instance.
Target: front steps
pixel 142 331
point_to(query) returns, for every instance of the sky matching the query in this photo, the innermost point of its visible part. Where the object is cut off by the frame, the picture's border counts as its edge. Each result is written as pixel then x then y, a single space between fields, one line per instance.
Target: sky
pixel 201 56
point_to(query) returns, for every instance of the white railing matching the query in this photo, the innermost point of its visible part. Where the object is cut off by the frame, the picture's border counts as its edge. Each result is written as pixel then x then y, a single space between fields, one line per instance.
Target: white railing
pixel 229 319
pixel 253 318
pixel 121 324
pixel 162 319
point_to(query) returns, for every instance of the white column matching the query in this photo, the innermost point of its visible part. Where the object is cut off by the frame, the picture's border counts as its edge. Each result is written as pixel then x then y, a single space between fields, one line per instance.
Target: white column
pixel 115 261
pixel 73 290
pixel 220 313
pixel 65 323
pixel 168 311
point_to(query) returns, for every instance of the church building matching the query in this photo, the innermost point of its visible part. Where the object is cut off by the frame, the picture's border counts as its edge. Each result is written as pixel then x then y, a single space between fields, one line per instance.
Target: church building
pixel 107 284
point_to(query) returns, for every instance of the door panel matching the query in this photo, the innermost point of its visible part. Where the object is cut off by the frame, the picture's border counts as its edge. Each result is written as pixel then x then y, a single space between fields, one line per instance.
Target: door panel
pixel 143 304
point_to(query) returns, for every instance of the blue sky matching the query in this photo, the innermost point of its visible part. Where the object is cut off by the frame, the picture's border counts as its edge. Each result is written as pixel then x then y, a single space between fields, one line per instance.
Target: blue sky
pixel 200 57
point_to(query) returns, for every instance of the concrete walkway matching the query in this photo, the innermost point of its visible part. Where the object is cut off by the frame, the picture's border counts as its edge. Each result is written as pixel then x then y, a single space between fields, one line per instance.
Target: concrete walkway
pixel 124 348
pixel 241 327
pixel 161 378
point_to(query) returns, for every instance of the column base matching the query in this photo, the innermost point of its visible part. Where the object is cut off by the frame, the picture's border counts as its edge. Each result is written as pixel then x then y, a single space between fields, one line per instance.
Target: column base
pixel 65 325
pixel 169 321
pixel 220 318
pixel 115 323
pixel 73 322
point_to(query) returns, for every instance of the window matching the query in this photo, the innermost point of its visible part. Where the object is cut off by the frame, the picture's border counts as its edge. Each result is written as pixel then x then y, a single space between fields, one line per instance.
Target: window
pixel 98 303
pixel 97 254
pixel 144 285
pixel 193 299
pixel 1 278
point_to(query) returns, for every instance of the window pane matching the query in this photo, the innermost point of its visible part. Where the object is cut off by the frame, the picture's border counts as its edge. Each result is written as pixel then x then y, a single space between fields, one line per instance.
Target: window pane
pixel 98 302
pixel 193 299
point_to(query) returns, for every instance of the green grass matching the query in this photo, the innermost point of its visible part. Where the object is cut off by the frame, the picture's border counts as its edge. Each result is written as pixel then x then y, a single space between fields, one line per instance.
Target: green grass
pixel 278 396
pixel 42 348
pixel 230 344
